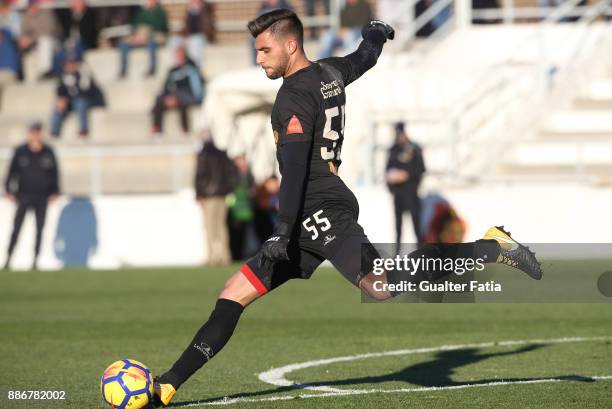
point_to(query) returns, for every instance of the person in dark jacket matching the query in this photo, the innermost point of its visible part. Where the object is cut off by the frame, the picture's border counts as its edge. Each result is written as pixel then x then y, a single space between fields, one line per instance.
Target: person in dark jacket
pixel 184 87
pixel 215 178
pixel 80 32
pixel 76 91
pixel 33 180
pixel 405 168
pixel 199 29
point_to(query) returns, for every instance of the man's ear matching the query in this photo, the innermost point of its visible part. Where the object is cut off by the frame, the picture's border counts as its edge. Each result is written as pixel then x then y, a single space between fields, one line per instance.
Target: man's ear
pixel 291 46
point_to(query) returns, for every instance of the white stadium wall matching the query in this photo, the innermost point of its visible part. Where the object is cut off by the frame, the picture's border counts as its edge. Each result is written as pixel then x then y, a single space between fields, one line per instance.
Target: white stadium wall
pixel 167 230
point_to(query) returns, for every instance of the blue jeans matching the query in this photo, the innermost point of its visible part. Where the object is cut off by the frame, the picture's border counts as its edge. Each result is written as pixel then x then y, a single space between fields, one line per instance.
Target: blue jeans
pixel 80 105
pixel 124 49
pixel 331 40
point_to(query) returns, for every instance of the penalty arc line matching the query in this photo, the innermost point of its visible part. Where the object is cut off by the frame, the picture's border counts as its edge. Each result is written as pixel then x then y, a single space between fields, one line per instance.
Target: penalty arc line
pixel 232 401
pixel 276 376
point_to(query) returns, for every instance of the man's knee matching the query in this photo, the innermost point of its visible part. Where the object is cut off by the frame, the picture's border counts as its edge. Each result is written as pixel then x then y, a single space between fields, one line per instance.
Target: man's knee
pixel 374 286
pixel 238 288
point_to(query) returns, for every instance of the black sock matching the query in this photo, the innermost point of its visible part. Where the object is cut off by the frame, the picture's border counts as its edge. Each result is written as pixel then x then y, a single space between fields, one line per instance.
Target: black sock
pixel 208 341
pixel 487 250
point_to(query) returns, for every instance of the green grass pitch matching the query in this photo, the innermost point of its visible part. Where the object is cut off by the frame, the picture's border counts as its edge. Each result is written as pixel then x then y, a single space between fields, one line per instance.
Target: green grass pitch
pixel 59 330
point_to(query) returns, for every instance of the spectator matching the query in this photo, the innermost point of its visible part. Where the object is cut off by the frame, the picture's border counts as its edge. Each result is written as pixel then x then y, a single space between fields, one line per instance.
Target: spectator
pixel 241 210
pixel 10 27
pixel 266 207
pixel 41 30
pixel 440 222
pixel 199 29
pixel 266 6
pixel 215 178
pixel 76 91
pixel 405 169
pixel 151 28
pixel 353 16
pixel 80 32
pixel 184 87
pixel 311 12
pixel 31 182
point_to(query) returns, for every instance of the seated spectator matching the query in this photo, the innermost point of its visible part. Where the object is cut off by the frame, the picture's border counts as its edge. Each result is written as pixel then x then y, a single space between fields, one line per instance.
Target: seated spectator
pixel 80 33
pixel 184 87
pixel 354 15
pixel 78 92
pixel 40 30
pixel 151 28
pixel 311 12
pixel 10 27
pixel 199 30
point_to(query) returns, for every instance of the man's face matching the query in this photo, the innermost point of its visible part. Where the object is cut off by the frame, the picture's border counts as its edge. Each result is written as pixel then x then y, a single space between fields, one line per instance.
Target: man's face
pixel 35 136
pixel 150 4
pixel 272 55
pixel 180 56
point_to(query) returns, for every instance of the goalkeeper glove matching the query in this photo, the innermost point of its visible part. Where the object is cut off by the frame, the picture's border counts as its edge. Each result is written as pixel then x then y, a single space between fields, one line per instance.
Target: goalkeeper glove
pixel 377 25
pixel 275 248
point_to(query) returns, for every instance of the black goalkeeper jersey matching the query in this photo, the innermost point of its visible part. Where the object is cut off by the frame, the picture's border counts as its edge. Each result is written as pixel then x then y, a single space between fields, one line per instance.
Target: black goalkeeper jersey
pixel 308 120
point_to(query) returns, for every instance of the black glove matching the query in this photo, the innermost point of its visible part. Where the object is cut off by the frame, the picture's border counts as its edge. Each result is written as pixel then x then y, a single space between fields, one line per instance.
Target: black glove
pixel 377 25
pixel 275 248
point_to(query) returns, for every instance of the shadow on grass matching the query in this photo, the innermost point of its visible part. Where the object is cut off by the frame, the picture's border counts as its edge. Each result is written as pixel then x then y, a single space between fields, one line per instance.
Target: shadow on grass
pixel 436 372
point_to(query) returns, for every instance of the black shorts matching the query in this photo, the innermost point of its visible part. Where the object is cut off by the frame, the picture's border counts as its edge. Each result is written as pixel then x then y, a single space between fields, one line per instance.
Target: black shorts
pixel 325 232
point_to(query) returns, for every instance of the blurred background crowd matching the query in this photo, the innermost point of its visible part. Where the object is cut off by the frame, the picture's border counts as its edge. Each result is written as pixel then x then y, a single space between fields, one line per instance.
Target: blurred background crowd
pixel 151 98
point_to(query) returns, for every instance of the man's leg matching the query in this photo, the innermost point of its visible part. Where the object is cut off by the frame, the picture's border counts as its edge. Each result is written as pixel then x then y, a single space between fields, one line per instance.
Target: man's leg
pixel 237 294
pixel 81 107
pixel 57 120
pixel 124 51
pixel 398 209
pixel 152 48
pixel 40 210
pixel 17 223
pixel 158 114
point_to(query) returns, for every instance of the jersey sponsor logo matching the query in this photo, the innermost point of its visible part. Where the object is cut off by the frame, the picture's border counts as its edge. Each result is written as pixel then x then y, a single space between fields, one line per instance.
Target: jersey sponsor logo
pixel 328 239
pixel 330 89
pixel 295 126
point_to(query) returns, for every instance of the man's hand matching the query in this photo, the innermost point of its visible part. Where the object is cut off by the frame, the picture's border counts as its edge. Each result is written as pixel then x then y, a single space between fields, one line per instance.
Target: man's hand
pixel 275 248
pixel 61 105
pixel 11 197
pixel 377 25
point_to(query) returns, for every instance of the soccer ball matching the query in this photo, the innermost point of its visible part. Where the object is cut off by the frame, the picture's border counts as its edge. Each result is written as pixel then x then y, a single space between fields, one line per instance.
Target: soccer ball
pixel 127 384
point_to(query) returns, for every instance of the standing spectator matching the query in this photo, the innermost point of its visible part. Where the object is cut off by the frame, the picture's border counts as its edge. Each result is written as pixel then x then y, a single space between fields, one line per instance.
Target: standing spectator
pixel 266 207
pixel 76 91
pixel 41 30
pixel 184 87
pixel 80 33
pixel 311 12
pixel 215 179
pixel 353 16
pixel 265 7
pixel 199 29
pixel 151 28
pixel 241 210
pixel 405 169
pixel 10 27
pixel 32 181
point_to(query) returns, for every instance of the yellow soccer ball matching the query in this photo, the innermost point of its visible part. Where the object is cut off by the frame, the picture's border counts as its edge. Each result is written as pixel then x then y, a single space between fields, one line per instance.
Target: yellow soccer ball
pixel 127 384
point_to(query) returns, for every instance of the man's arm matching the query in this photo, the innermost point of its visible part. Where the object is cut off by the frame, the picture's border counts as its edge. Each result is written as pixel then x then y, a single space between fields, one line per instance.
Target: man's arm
pixel 297 121
pixel 354 65
pixel 11 177
pixel 55 184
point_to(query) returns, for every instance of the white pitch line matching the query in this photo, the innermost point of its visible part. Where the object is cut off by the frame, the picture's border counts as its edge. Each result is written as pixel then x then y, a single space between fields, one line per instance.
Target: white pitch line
pixel 233 401
pixel 276 376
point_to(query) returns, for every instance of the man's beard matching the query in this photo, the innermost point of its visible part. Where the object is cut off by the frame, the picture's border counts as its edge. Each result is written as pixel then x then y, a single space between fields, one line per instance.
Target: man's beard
pixel 279 70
